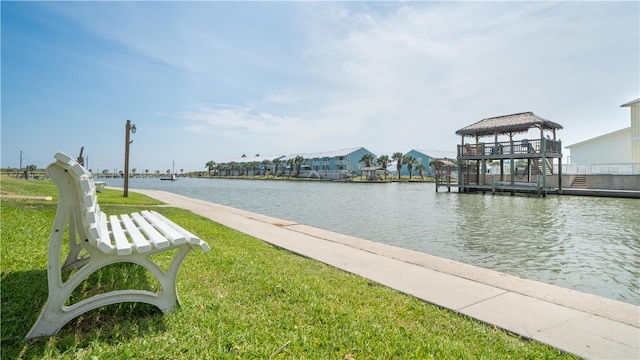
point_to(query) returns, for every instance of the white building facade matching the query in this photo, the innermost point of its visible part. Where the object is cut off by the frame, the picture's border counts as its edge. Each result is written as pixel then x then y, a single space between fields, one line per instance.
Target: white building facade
pixel 616 152
pixel 610 148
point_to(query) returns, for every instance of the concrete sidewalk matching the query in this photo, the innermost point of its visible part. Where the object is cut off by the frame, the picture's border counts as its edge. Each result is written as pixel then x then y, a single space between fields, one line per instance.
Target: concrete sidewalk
pixel 583 324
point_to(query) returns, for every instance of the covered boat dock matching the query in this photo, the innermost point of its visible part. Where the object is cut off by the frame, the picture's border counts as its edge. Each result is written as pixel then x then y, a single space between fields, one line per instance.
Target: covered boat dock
pixel 509 163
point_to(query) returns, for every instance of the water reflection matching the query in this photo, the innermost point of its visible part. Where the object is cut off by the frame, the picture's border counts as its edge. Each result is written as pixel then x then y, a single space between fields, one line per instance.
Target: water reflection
pixel 584 243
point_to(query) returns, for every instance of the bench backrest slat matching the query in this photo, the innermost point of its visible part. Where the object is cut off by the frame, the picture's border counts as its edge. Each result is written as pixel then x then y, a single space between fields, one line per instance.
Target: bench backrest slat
pixel 89 200
pixel 104 241
pixel 84 185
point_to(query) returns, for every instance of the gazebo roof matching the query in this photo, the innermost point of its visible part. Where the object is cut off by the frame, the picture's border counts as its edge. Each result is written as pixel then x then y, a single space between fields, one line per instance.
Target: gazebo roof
pixel 446 163
pixel 508 124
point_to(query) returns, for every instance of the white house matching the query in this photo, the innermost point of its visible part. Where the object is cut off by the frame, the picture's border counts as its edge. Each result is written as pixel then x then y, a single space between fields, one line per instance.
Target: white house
pixel 618 147
pixel 609 148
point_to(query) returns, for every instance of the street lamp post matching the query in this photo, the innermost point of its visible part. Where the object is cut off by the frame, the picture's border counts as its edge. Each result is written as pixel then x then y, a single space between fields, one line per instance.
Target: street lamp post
pixel 129 129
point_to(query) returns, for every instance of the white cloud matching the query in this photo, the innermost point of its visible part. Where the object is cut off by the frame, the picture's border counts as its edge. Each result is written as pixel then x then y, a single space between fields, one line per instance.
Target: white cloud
pixel 231 121
pixel 281 98
pixel 257 128
pixel 426 70
pixel 410 76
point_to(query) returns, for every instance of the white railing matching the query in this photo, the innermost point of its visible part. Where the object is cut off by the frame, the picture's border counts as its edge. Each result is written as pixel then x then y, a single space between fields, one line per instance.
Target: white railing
pixel 600 169
pixel 577 169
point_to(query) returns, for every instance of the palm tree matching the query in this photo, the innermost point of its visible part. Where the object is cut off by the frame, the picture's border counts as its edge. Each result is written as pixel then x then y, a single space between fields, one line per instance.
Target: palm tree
pixel 255 167
pixel 367 159
pixel 290 163
pixel 146 171
pixel 265 164
pixel 276 162
pixel 133 172
pixel 210 165
pixel 383 161
pixel 420 169
pixel 105 172
pixel 409 161
pixel 397 156
pixel 298 161
pixel 232 168
pixel 157 173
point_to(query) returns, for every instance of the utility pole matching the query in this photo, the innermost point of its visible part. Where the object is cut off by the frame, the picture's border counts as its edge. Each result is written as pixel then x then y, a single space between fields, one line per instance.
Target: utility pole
pixel 20 165
pixel 129 128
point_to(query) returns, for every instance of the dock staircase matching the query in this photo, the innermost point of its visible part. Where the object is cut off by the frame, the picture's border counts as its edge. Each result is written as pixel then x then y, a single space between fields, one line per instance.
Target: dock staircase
pixel 579 182
pixel 538 164
pixel 470 178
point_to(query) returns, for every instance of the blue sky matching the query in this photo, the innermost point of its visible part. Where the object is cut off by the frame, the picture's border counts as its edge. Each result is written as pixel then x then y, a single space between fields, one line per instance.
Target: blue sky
pixel 214 80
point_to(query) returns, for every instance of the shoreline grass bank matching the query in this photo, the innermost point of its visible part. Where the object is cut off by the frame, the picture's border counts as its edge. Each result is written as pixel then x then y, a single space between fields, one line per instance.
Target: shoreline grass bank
pixel 244 299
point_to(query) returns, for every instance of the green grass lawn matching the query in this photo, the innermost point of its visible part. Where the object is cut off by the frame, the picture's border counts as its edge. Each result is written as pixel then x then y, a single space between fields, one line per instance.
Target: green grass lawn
pixel 245 299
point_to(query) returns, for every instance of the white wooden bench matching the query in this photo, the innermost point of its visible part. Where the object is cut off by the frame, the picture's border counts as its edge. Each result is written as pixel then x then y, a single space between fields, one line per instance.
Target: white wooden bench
pixel 105 240
pixel 100 186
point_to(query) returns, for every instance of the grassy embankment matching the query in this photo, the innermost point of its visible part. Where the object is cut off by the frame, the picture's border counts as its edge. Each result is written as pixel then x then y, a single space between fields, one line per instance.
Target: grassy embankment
pixel 244 299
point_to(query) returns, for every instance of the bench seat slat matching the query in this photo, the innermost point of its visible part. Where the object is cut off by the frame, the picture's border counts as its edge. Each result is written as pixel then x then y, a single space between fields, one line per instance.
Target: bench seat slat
pixel 152 234
pixel 173 225
pixel 139 242
pixel 122 244
pixel 173 236
pixel 192 239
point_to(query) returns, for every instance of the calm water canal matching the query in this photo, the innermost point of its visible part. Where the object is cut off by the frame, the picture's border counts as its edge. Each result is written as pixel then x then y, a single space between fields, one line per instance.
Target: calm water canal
pixel 583 243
